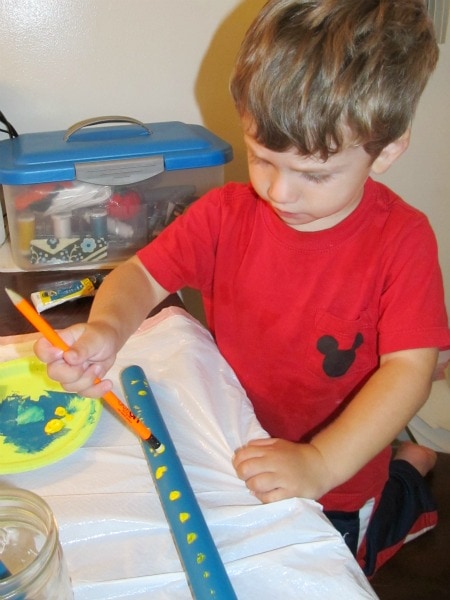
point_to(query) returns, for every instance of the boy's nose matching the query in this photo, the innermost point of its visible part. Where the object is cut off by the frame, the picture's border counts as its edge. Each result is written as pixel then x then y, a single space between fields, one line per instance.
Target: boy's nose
pixel 280 192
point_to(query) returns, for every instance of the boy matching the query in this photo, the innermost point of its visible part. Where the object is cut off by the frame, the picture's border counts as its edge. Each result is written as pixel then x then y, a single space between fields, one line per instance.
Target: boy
pixel 322 287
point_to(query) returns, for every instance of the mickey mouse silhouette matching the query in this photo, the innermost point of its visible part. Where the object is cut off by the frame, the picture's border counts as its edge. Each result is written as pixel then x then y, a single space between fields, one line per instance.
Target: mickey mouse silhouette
pixel 337 362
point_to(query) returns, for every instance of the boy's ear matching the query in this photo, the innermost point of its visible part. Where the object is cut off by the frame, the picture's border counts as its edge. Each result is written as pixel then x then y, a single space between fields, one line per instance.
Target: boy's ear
pixel 390 153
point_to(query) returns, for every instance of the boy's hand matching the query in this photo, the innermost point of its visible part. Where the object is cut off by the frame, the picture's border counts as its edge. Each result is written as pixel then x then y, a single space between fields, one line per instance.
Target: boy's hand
pixel 92 353
pixel 275 469
pixel 122 302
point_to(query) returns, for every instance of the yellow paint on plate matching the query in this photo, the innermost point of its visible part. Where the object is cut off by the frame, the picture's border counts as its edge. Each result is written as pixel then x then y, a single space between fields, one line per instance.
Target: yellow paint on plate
pixel 53 426
pixel 30 435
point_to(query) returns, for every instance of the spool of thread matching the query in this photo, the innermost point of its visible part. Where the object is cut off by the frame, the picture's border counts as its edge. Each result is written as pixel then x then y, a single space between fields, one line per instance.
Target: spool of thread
pixel 97 220
pixel 62 225
pixel 119 229
pixel 26 226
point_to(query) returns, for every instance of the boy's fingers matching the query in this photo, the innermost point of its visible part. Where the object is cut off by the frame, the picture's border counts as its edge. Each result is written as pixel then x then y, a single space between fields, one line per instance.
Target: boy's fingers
pixel 46 351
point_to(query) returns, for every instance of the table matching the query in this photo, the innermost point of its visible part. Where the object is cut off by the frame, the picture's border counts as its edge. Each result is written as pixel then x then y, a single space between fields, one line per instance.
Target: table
pixel 12 322
pixel 113 531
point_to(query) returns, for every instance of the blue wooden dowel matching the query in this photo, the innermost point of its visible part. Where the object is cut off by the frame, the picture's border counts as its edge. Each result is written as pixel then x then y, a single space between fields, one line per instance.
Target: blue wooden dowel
pixel 205 572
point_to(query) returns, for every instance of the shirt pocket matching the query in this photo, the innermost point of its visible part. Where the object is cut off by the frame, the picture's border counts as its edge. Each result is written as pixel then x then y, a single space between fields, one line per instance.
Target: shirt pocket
pixel 341 348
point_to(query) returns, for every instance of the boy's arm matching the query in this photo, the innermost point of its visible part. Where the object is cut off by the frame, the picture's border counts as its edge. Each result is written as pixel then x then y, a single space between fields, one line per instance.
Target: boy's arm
pixel 127 296
pixel 122 302
pixel 378 413
pixel 276 469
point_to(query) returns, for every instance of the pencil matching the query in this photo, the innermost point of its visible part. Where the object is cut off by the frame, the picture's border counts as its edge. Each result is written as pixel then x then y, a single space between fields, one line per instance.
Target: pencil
pixel 110 398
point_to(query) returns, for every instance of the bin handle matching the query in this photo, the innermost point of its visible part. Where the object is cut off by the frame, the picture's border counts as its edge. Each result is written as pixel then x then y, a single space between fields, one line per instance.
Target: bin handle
pixel 99 120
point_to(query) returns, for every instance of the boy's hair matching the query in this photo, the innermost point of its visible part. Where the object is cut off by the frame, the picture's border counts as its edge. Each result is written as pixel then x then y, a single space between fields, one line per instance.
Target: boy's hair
pixel 309 69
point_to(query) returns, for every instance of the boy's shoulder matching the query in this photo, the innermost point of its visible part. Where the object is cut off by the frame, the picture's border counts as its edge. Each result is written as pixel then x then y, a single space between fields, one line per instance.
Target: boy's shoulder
pixel 235 190
pixel 394 205
pixel 230 197
pixel 232 205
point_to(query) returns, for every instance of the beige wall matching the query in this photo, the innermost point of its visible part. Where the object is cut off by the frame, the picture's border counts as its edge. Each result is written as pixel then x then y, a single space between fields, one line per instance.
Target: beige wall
pixel 160 60
pixel 422 175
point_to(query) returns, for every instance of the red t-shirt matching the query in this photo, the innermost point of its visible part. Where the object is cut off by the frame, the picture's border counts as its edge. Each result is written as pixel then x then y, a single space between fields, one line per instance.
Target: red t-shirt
pixel 303 317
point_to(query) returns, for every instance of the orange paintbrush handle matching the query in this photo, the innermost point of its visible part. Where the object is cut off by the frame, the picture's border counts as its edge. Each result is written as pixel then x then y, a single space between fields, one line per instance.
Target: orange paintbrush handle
pixel 56 340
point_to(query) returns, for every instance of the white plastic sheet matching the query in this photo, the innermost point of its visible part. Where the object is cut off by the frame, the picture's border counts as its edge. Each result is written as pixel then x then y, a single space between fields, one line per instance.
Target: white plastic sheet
pixel 114 534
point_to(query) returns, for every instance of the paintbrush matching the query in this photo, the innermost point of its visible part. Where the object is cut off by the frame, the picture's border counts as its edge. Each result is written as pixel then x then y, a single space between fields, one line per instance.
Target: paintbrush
pixel 110 398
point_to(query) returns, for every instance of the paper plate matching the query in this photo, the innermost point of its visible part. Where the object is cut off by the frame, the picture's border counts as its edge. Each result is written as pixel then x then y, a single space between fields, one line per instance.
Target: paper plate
pixel 40 423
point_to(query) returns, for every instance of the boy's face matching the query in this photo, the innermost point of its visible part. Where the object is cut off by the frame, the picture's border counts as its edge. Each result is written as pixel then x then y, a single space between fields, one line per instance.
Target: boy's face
pixel 305 192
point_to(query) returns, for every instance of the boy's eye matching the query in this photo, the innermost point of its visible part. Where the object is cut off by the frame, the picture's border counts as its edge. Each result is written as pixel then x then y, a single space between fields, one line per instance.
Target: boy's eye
pixel 319 178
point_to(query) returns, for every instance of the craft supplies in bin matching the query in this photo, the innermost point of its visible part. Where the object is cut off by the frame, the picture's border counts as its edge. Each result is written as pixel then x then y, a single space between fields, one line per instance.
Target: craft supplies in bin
pixel 96 193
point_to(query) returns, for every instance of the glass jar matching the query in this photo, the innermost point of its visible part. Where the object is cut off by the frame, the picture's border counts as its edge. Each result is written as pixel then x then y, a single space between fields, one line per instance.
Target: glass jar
pixel 32 566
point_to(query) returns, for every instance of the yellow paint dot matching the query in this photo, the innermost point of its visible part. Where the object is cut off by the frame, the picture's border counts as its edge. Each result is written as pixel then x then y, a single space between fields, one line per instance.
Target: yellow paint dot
pixel 142 393
pixel 160 449
pixel 206 574
pixel 200 558
pixel 60 411
pixel 191 537
pixel 53 426
pixel 184 516
pixel 160 472
pixel 174 495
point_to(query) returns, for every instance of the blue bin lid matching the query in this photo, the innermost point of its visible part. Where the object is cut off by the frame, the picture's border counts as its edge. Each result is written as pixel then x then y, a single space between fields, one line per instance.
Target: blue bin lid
pixel 45 157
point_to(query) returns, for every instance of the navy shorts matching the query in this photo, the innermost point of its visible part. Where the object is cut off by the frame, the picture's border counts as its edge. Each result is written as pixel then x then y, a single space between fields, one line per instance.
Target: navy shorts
pixel 404 511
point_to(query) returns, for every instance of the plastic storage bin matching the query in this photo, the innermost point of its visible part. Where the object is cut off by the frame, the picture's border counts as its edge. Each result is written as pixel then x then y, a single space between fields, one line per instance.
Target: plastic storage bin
pixel 92 196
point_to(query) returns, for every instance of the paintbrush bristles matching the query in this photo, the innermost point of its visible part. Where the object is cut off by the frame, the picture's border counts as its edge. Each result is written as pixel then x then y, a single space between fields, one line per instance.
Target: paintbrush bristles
pixel 13 296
